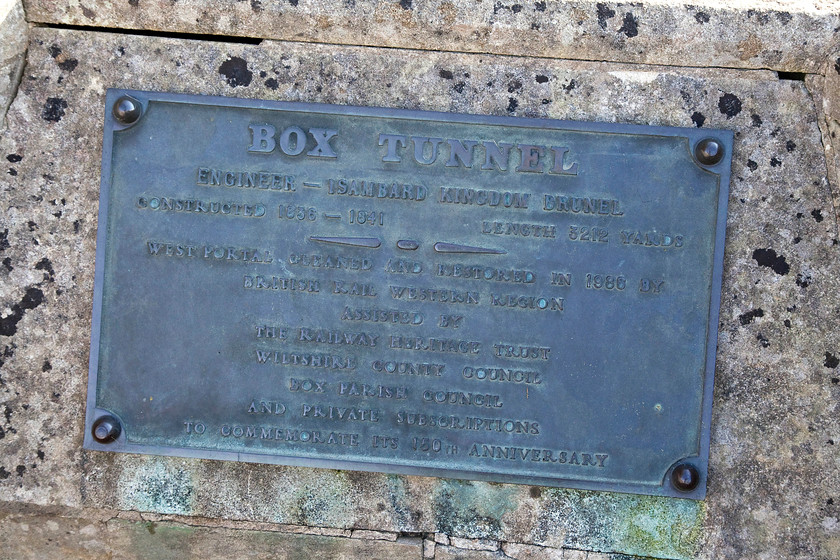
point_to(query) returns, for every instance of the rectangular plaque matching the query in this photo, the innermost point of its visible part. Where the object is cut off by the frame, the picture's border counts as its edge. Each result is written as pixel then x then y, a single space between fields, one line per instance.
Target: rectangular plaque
pixel 488 298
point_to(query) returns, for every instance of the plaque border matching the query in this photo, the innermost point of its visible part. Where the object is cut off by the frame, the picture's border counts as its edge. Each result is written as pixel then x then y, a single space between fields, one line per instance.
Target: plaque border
pixel 693 135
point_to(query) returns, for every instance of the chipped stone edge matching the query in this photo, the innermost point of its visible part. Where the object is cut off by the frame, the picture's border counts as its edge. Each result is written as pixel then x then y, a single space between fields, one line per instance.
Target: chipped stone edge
pixel 14 42
pixel 428 541
pixel 825 91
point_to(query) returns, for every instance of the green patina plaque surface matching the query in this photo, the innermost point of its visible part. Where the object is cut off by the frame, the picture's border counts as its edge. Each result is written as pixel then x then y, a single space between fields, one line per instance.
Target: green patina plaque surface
pixel 488 298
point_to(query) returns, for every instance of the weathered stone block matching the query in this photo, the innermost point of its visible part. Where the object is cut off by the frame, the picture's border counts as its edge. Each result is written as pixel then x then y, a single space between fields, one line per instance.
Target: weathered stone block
pixel 773 474
pixel 791 35
pixel 33 537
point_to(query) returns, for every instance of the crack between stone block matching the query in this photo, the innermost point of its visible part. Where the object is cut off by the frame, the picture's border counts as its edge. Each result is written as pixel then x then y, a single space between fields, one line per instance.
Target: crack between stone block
pixel 151 33
pixel 257 41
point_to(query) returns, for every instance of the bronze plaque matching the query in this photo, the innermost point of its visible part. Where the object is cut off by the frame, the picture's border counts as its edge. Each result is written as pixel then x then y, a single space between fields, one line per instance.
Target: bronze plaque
pixel 488 298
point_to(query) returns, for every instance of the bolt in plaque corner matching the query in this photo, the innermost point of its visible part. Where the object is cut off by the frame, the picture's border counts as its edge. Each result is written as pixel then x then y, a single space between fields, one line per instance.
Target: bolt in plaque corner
pixel 683 477
pixel 106 428
pixel 708 152
pixel 127 110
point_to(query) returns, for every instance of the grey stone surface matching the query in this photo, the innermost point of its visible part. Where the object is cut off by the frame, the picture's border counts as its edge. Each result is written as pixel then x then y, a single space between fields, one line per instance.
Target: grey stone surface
pixel 52 537
pixel 780 35
pixel 531 552
pixel 773 478
pixel 13 38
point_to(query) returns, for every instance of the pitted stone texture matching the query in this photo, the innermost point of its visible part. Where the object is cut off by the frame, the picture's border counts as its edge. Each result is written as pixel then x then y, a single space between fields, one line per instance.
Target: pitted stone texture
pixel 14 32
pixel 773 475
pixel 37 537
pixel 785 35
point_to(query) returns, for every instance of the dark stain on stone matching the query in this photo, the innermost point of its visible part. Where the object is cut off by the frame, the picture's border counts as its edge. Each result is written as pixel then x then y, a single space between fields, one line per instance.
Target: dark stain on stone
pixel 14 158
pixel 535 491
pixel 756 120
pixel 831 361
pixel 769 258
pixel 803 280
pixel 53 109
pixel 263 74
pixel 134 3
pixel 787 323
pixel 790 145
pixel 630 25
pixel 236 73
pixel 514 85
pixel 7 263
pixel 4 474
pixel 90 14
pixel 763 17
pixel 796 240
pixel 4 239
pixel 541 79
pixel 775 162
pixel 570 86
pixel 604 13
pixel 752 165
pixel 47 366
pixel 271 83
pixel 445 74
pixel 20 470
pixel 256 6
pixel 31 299
pixel 698 119
pixel 512 105
pixel 404 4
pixel 729 105
pixel 762 340
pixel 516 8
pixel 40 454
pixel 749 316
pixel 64 62
pixel 817 215
pixel 293 3
pixel 784 17
pixel 545 101
pixel 701 17
pixel 45 265
pixel 459 87
pixel 12 171
pixel 539 6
